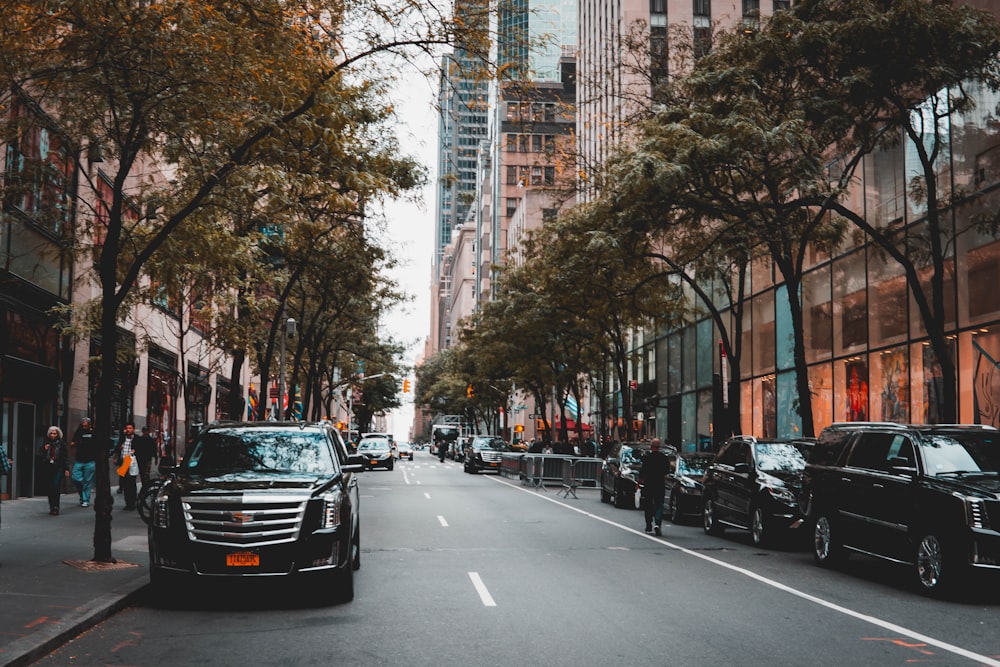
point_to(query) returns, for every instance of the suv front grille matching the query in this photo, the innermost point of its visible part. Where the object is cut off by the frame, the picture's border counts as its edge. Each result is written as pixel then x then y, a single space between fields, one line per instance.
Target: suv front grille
pixel 490 456
pixel 244 520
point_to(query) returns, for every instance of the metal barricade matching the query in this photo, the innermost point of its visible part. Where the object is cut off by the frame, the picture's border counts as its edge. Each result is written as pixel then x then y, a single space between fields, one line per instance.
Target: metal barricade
pixel 579 473
pixel 510 465
pixel 531 473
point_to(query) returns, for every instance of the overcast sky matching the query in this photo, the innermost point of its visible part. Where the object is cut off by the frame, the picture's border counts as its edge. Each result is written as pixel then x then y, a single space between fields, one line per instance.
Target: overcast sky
pixel 411 230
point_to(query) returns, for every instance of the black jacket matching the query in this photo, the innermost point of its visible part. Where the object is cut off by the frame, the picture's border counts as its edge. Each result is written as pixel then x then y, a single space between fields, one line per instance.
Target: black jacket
pixel 654 470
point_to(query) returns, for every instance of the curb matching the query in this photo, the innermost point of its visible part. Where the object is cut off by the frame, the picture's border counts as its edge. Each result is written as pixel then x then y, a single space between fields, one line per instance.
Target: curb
pixel 29 649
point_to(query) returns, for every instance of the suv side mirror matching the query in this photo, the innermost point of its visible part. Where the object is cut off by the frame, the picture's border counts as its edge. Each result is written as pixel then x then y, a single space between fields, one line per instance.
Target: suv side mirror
pixel 355 463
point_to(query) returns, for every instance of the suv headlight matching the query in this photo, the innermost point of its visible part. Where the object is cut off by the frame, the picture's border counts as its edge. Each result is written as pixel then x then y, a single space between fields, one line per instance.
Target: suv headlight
pixel 975 513
pixel 782 494
pixel 161 512
pixel 331 510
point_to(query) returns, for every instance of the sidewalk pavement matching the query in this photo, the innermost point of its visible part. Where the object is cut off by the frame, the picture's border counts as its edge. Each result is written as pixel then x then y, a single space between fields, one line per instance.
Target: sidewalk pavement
pixel 50 589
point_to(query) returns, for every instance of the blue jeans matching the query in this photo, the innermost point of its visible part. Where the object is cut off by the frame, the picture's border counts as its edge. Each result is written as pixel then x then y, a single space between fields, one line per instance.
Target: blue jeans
pixel 83 478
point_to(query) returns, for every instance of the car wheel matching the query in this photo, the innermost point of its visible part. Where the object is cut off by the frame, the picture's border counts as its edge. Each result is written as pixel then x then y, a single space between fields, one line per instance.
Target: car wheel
pixel 623 500
pixel 342 583
pixel 392 464
pixel 356 548
pixel 827 549
pixel 936 570
pixel 758 527
pixel 712 525
pixel 605 496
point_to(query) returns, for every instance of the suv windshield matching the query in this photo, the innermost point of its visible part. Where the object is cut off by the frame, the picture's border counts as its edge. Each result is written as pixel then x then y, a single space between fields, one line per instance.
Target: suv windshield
pixel 778 456
pixel 694 466
pixel 489 443
pixel 222 451
pixel 633 456
pixel 971 453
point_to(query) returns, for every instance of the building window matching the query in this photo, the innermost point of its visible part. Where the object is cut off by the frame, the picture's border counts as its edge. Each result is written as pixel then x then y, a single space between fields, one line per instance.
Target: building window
pixel 702 41
pixel 511 175
pixel 702 8
pixel 657 6
pixel 511 205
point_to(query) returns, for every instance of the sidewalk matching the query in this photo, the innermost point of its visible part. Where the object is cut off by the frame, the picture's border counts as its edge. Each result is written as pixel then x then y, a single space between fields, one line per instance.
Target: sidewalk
pixel 50 590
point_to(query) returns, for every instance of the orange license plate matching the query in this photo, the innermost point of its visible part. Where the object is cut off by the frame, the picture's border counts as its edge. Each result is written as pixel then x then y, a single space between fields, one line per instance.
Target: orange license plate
pixel 243 559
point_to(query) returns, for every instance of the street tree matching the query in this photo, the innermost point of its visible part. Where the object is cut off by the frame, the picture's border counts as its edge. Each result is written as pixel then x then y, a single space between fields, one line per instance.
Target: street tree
pixel 179 97
pixel 895 76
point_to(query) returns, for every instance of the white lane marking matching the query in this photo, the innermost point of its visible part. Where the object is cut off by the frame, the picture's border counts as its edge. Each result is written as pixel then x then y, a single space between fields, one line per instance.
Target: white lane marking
pixel 873 620
pixel 427 495
pixel 484 594
pixel 443 522
pixel 406 478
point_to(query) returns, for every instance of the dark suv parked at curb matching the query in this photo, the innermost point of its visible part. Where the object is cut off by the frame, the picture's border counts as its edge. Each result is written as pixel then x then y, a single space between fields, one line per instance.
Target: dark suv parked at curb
pixel 484 452
pixel 924 496
pixel 257 500
pixel 754 485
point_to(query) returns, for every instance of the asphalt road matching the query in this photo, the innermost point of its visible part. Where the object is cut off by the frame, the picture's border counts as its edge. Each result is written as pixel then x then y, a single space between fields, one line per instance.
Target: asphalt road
pixel 478 570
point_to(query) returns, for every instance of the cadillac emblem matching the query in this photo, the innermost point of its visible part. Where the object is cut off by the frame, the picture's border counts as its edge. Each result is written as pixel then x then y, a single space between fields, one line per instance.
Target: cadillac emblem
pixel 242 517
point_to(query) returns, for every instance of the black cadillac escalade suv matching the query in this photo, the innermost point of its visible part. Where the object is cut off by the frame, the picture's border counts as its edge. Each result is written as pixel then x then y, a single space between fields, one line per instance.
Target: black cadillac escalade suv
pixel 260 499
pixel 924 496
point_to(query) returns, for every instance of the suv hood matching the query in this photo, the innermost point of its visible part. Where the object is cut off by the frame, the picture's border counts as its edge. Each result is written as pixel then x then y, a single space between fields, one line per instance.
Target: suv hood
pixel 971 485
pixel 249 481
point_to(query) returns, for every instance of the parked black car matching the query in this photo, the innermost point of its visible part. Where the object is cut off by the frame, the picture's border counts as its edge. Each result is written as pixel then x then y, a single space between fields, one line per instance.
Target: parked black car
pixel 620 473
pixel 754 485
pixel 258 500
pixel 924 496
pixel 483 453
pixel 684 485
pixel 377 452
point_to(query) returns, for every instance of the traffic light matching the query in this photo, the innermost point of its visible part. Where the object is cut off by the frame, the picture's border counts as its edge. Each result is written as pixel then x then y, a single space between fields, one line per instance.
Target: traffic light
pixel 470 392
pixel 406 386
pixel 518 428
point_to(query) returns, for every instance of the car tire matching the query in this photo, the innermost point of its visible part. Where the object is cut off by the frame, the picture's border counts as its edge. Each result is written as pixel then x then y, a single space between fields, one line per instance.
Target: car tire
pixel 356 548
pixel 711 521
pixel 623 500
pixel 605 496
pixel 392 464
pixel 935 568
pixel 827 547
pixel 342 583
pixel 759 531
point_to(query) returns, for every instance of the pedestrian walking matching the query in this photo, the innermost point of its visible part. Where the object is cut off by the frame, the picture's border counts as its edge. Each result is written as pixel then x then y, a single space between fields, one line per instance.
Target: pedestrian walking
pixel 145 450
pixel 55 462
pixel 85 460
pixel 652 477
pixel 6 466
pixel 127 465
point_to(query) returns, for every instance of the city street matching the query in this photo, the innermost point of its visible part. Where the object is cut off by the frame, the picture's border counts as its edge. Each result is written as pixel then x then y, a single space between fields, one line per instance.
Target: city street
pixel 462 569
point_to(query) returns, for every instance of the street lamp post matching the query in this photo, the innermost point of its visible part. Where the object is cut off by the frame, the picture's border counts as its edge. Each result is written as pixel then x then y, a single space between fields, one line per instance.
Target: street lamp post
pixel 287 331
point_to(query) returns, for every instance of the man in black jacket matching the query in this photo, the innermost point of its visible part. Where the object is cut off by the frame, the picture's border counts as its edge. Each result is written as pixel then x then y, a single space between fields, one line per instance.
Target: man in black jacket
pixel 145 449
pixel 652 476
